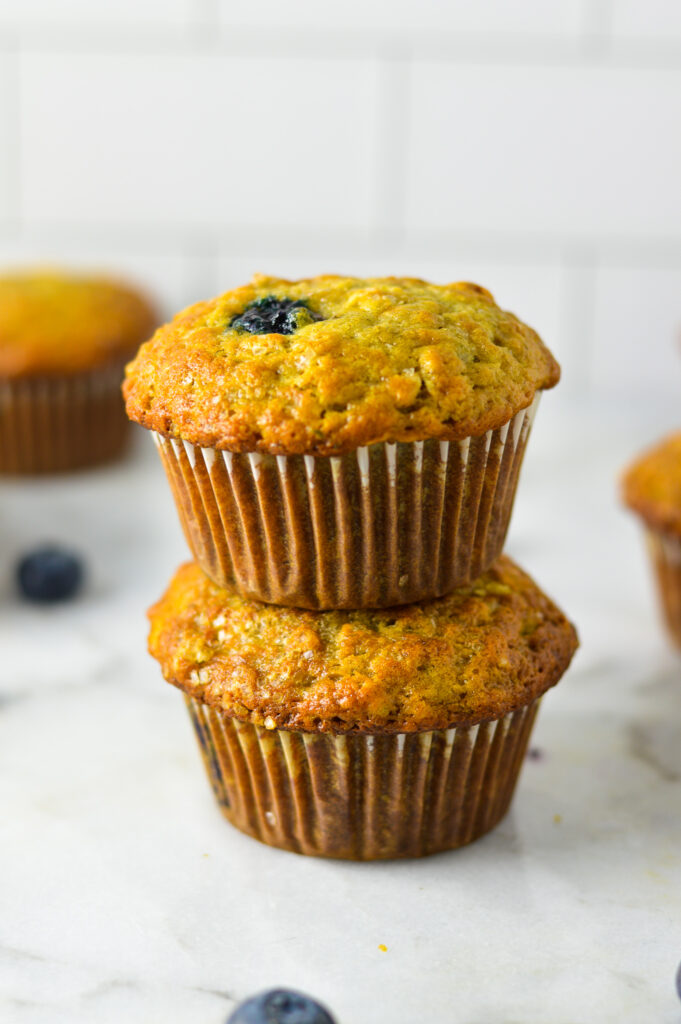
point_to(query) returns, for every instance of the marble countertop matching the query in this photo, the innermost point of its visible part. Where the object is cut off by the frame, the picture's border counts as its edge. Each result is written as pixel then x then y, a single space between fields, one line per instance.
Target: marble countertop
pixel 125 897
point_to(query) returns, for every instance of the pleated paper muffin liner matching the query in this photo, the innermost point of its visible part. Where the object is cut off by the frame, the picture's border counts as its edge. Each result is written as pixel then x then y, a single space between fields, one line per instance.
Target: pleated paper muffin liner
pixel 55 423
pixel 665 552
pixel 382 525
pixel 360 796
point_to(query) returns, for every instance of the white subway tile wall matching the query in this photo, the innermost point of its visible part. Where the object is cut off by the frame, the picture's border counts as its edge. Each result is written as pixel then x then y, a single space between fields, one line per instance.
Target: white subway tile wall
pixel 534 147
pixel 197 141
pixel 576 152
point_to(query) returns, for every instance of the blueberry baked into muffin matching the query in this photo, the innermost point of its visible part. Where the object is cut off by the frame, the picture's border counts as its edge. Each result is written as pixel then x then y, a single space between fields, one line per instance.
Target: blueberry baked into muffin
pixel 64 340
pixel 342 442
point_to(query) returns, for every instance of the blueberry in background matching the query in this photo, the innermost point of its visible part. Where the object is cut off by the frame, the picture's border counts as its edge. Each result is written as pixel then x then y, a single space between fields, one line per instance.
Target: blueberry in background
pixel 49 574
pixel 280 1006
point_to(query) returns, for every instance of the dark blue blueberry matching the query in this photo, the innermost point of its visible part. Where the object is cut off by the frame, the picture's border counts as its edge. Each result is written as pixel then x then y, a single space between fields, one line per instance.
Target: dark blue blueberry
pixel 678 982
pixel 49 574
pixel 274 316
pixel 280 1006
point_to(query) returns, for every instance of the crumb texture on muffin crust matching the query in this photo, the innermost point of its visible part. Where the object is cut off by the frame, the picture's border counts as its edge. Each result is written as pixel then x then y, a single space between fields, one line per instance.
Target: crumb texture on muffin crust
pixel 482 652
pixel 381 359
pixel 53 322
pixel 652 485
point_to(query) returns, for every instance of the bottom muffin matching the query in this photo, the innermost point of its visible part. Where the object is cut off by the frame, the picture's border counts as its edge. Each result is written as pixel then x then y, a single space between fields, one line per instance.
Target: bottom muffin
pixel 364 735
pixel 651 487
pixel 363 796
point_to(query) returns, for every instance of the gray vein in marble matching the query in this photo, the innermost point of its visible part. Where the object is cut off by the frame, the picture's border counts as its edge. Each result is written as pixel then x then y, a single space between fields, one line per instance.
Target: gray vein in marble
pixel 651 744
pixel 112 985
pixel 214 992
pixel 103 988
pixel 634 981
pixel 24 954
pixel 25 1004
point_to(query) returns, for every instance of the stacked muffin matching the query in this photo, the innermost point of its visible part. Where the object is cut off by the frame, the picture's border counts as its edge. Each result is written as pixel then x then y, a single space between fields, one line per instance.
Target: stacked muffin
pixel 361 664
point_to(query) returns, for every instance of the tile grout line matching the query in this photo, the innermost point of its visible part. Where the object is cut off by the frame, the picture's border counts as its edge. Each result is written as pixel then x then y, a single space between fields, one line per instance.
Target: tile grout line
pixel 580 265
pixel 597 18
pixel 206 34
pixel 201 251
pixel 509 247
pixel 16 141
pixel 393 132
pixel 597 32
pixel 204 28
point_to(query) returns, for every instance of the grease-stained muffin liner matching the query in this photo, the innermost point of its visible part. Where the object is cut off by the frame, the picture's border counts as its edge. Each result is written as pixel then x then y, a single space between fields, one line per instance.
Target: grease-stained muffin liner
pixel 361 796
pixel 55 423
pixel 665 552
pixel 382 525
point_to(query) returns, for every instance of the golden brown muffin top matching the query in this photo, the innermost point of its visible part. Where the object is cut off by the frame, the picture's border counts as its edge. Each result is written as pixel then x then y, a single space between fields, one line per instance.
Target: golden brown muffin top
pixel 652 485
pixel 52 322
pixel 381 359
pixel 476 655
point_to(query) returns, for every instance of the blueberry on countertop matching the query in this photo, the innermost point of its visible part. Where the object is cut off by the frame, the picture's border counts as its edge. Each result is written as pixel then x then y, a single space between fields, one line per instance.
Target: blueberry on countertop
pixel 271 315
pixel 280 1006
pixel 49 574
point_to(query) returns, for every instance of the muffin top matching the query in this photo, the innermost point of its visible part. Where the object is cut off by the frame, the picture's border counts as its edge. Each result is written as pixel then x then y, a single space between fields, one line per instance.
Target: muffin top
pixel 485 650
pixel 53 322
pixel 652 485
pixel 324 365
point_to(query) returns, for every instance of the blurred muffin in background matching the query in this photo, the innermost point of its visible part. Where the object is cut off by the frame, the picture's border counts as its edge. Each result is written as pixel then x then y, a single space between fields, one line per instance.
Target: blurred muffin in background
pixel 651 487
pixel 64 340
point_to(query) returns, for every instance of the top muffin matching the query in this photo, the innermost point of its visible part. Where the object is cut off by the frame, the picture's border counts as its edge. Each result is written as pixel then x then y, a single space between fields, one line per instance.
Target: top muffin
pixel 325 365
pixel 652 485
pixel 59 323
